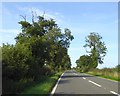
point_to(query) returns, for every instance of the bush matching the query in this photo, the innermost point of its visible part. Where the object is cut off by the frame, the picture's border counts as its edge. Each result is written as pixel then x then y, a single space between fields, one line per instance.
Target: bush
pixel 15 61
pixel 14 65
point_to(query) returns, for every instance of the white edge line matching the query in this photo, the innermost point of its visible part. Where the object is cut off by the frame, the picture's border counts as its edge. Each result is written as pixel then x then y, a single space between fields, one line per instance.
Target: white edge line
pixel 115 93
pixel 55 87
pixel 95 83
pixel 103 78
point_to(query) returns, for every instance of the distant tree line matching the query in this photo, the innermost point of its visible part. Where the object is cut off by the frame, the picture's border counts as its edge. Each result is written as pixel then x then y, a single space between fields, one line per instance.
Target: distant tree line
pixel 40 50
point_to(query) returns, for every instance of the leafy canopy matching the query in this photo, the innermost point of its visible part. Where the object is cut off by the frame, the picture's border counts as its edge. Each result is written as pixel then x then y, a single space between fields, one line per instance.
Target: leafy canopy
pixel 97 48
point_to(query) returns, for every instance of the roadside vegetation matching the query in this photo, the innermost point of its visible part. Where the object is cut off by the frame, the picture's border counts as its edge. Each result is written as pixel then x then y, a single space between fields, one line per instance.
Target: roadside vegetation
pixel 109 73
pixel 43 87
pixel 40 51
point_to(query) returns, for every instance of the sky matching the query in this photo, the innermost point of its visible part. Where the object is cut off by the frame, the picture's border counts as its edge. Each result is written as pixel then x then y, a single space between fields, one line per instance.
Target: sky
pixel 80 17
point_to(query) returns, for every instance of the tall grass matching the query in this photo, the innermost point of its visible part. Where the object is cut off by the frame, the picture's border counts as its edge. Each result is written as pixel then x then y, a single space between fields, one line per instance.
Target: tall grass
pixel 109 73
pixel 44 87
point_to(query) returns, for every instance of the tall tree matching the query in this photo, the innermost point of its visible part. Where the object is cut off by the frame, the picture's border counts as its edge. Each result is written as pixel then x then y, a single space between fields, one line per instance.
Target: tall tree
pixel 96 47
pixel 45 40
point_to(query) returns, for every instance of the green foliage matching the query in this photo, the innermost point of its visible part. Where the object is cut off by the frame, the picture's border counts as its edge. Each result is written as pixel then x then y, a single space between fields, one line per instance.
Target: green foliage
pixel 15 65
pixel 15 61
pixel 97 51
pixel 84 63
pixel 40 50
pixel 97 48
pixel 45 40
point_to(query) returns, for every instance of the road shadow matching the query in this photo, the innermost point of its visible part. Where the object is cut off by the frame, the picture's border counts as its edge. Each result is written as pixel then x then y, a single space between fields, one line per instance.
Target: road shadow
pixel 71 71
pixel 66 78
pixel 76 76
pixel 63 81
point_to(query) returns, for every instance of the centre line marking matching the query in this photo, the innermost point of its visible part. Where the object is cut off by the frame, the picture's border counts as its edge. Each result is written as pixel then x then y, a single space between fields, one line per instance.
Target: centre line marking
pixel 115 93
pixel 84 78
pixel 95 83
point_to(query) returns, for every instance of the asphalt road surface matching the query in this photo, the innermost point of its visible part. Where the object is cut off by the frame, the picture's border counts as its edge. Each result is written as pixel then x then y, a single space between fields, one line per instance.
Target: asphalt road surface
pixel 72 82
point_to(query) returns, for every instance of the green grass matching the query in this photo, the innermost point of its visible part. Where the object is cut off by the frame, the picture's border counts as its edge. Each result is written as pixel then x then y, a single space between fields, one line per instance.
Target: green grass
pixel 108 76
pixel 44 87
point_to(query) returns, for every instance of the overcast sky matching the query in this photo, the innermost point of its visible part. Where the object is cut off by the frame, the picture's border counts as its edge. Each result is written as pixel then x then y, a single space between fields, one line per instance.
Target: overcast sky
pixel 81 18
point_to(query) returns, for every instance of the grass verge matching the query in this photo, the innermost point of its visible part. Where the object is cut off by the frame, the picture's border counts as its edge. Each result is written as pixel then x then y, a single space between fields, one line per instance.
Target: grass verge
pixel 44 87
pixel 111 77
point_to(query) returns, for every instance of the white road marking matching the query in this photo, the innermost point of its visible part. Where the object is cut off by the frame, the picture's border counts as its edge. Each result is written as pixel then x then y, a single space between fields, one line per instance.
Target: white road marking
pixel 115 93
pixel 95 83
pixel 55 87
pixel 84 78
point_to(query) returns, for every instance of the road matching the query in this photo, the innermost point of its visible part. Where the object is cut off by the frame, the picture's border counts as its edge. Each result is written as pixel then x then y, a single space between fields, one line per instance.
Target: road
pixel 72 82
